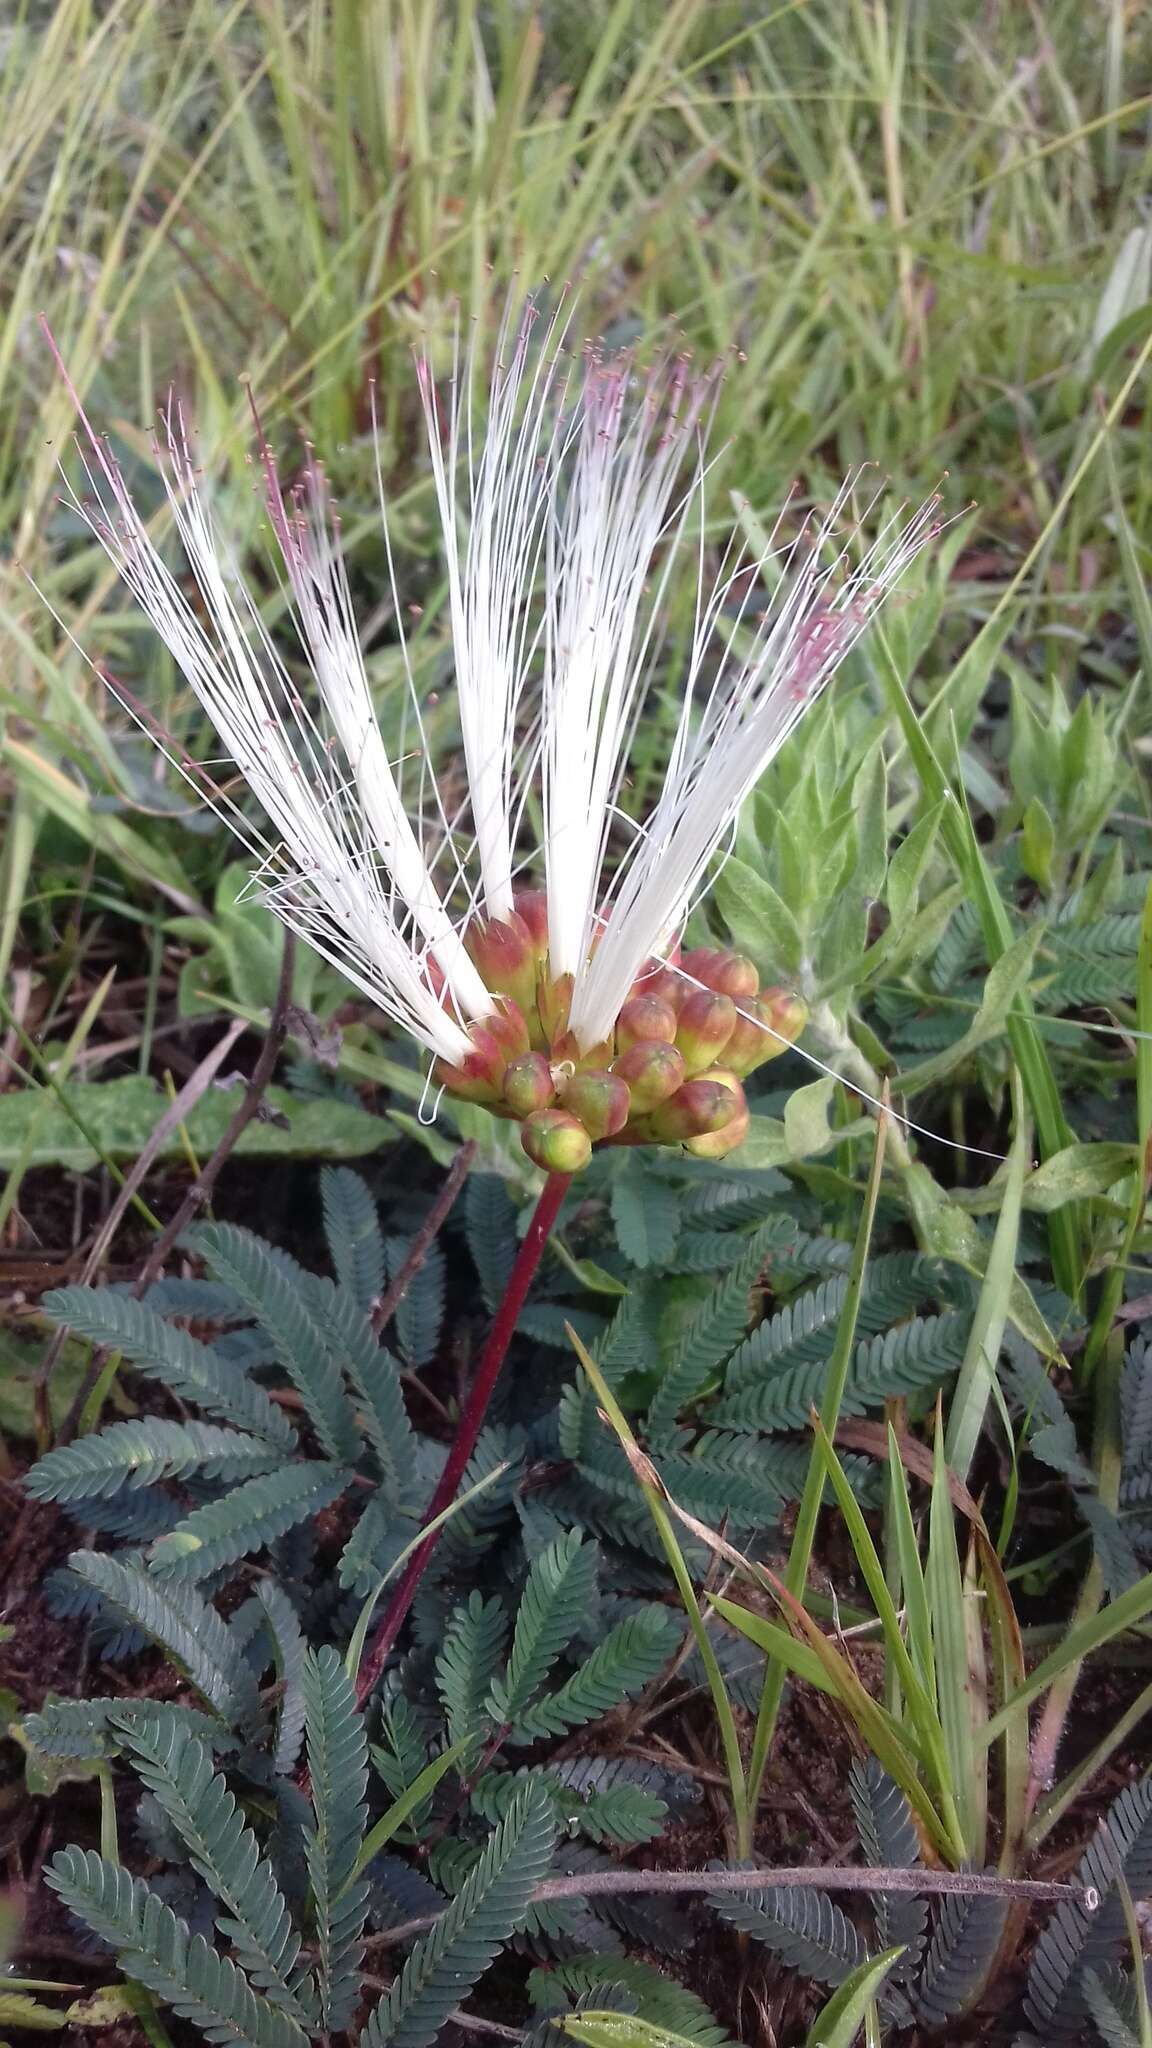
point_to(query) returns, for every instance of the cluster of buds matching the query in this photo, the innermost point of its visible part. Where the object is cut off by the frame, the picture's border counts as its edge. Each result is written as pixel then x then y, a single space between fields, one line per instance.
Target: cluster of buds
pixel 671 1073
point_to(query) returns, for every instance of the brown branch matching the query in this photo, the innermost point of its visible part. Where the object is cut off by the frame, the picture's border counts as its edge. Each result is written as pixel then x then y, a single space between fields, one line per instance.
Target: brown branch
pixel 425 1237
pixel 198 1190
pixel 805 1877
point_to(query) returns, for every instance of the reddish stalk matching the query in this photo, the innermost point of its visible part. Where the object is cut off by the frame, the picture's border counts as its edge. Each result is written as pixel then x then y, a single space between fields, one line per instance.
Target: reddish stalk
pixel 471 1422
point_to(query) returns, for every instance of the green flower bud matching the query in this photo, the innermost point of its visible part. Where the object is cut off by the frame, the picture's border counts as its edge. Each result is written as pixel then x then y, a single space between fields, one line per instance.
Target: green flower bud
pixel 696 1108
pixel 556 1140
pixel 751 1045
pixel 704 1026
pixel 653 1072
pixel 600 1100
pixel 643 1020
pixel 528 1084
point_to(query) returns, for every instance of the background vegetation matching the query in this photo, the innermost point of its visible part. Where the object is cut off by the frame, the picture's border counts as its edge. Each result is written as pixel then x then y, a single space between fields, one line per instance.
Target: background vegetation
pixel 921 235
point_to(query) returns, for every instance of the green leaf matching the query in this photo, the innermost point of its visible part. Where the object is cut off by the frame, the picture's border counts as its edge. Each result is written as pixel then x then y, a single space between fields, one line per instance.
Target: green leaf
pixel 447 1962
pixel 467 1664
pixel 1007 981
pixel 173 1356
pixel 183 1624
pixel 620 2030
pixel 355 1240
pixel 338 1766
pixel 20 2009
pixel 141 1453
pixel 806 1929
pixel 622 1664
pixel 247 1519
pixel 646 1213
pixel 157 1950
pixel 553 1607
pixel 1076 1172
pixel 122 1114
pixel 710 1335
pixel 838 2023
pixel 276 1291
pixel 177 1769
pixel 759 920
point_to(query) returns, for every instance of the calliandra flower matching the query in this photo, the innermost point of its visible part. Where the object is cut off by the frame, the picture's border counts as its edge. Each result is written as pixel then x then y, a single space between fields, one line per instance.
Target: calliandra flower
pixel 546 982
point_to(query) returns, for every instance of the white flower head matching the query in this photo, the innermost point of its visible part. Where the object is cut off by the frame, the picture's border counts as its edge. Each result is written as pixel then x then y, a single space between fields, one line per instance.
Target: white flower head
pixel 565 497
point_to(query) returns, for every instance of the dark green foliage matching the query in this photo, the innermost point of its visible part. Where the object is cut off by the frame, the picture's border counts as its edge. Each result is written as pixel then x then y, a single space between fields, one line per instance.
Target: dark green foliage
pixel 447 1962
pixel 177 1769
pixel 605 1799
pixel 337 1752
pixel 889 1840
pixel 375 1380
pixel 277 1291
pixel 1076 1942
pixel 469 1658
pixel 961 1950
pixel 182 1624
pixel 421 1312
pixel 289 1650
pixel 88 1729
pixel 909 1359
pixel 596 1979
pixel 167 1353
pixel 1111 2004
pixel 140 1453
pixel 246 1519
pixel 355 1239
pixel 156 1948
pixel 711 1334
pixel 806 1929
pixel 619 1667
pixel 553 1608
pixel 646 1213
pixel 490 1228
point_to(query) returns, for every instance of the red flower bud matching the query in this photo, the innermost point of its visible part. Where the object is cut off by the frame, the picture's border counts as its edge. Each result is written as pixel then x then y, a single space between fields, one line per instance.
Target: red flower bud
pixel 556 1140
pixel 717 1144
pixel 698 1107
pixel 479 1077
pixel 645 1018
pixel 553 1001
pixel 653 1072
pixel 600 1100
pixel 764 1029
pixel 532 909
pixel 503 951
pixel 704 1027
pixel 507 1027
pixel 528 1084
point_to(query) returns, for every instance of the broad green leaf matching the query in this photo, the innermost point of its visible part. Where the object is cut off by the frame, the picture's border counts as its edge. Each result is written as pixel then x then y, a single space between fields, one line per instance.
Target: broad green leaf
pixel 122 1114
pixel 1007 981
pixel 1075 1172
pixel 620 2030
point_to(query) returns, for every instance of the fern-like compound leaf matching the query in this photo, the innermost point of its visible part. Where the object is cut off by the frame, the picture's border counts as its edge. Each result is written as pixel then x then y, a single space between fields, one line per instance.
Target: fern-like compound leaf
pixel 1076 1941
pixel 445 1965
pixel 197 1372
pixel 490 1229
pixel 1113 2009
pixel 183 1624
pixel 157 1949
pixel 420 1313
pixel 710 1336
pixel 276 1291
pixel 355 1240
pixel 467 1664
pixel 889 1840
pixel 554 1604
pixel 338 1766
pixel 289 1649
pixel 961 1951
pixel 142 1453
pixel 177 1769
pixel 246 1519
pixel 81 1729
pixel 375 1380
pixel 806 1929
pixel 905 1360
pixel 619 1667
pixel 599 1980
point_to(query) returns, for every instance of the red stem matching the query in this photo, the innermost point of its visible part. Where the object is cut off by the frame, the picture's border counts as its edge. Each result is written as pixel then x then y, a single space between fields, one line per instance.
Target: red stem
pixel 471 1422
